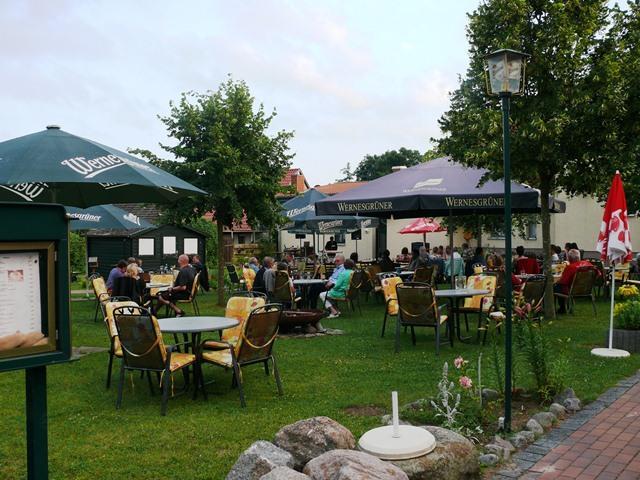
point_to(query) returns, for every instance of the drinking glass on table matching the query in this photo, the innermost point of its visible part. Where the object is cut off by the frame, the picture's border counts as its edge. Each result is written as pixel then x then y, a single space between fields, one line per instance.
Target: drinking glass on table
pixel 461 282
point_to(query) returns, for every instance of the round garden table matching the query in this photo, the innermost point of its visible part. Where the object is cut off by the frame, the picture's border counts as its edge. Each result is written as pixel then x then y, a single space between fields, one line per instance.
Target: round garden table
pixel 195 326
pixel 305 284
pixel 454 296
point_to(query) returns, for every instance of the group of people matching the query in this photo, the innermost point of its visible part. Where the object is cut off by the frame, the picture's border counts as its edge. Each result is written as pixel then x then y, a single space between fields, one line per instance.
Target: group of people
pixel 127 279
pixel 329 293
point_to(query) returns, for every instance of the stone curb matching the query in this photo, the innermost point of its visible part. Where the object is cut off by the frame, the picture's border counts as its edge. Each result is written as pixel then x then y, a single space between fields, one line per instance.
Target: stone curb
pixel 527 458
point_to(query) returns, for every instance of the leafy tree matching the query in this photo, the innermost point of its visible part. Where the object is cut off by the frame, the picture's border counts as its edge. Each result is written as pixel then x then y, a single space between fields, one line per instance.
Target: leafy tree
pixel 347 174
pixel 78 252
pixel 223 147
pixel 551 148
pixel 375 166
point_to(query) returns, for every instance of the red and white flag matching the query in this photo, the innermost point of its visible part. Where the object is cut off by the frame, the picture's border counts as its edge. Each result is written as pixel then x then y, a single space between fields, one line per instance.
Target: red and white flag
pixel 614 240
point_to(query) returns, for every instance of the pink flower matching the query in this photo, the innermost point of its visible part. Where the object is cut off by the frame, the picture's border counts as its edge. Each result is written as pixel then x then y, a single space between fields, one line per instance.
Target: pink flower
pixel 465 382
pixel 458 362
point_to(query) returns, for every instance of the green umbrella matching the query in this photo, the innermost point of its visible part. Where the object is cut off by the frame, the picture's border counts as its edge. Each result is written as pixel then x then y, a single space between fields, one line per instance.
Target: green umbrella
pixel 54 166
pixel 105 217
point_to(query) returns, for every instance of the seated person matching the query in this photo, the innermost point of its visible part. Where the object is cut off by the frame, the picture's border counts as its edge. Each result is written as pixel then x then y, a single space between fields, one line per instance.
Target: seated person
pixel 283 267
pixel 254 264
pixel 404 256
pixel 339 290
pixel 181 289
pixel 139 262
pixel 116 272
pixel 564 284
pixel 477 259
pixel 385 262
pixel 259 284
pixel 416 261
pixel 201 268
pixel 316 289
pixel 131 285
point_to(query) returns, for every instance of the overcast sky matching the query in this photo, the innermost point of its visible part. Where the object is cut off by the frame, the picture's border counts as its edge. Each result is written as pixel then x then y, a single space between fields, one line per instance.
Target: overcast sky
pixel 349 77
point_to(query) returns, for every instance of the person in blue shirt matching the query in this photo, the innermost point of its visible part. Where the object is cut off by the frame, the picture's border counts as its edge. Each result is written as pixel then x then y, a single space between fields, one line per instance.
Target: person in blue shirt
pixel 315 290
pixel 116 272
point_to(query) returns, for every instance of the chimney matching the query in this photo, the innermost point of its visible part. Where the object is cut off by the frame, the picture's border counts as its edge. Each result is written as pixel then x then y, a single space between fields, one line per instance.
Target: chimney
pixel 300 186
pixel 397 168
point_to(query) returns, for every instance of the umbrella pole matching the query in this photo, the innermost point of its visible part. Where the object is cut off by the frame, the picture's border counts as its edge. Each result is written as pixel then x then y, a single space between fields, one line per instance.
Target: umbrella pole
pixel 424 239
pixel 451 264
pixel 613 290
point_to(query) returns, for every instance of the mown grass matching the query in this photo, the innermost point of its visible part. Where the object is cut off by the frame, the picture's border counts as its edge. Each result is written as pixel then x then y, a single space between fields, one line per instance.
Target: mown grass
pixel 200 439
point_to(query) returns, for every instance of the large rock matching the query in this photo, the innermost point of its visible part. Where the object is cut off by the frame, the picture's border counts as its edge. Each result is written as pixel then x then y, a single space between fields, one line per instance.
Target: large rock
pixel 558 410
pixel 546 419
pixel 454 458
pixel 259 459
pixel 351 465
pixel 312 437
pixel 535 428
pixel 523 438
pixel 497 450
pixel 506 445
pixel 572 405
pixel 489 395
pixel 488 459
pixel 284 473
pixel 561 397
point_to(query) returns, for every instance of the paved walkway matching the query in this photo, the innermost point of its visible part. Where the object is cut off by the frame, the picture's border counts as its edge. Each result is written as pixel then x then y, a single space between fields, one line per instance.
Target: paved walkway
pixel 600 442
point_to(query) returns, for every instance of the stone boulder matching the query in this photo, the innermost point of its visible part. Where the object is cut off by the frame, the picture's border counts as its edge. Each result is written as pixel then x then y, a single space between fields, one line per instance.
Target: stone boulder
pixel 351 465
pixel 558 410
pixel 489 395
pixel 561 397
pixel 454 458
pixel 312 437
pixel 488 459
pixel 259 459
pixel 523 438
pixel 284 473
pixel 572 405
pixel 535 428
pixel 546 419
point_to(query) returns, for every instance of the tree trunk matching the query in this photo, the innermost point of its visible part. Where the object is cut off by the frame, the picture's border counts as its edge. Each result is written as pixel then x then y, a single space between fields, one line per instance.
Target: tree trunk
pixel 221 262
pixel 549 302
pixel 479 226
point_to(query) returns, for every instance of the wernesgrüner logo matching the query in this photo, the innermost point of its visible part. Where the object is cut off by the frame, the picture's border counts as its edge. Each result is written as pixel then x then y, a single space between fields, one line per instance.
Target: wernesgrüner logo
pixel 297 211
pixel 325 226
pixel 96 166
pixel 28 191
pixel 85 217
pixel 130 217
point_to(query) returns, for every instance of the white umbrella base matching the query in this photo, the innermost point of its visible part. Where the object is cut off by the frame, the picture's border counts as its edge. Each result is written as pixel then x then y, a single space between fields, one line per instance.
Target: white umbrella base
pixel 412 442
pixel 610 352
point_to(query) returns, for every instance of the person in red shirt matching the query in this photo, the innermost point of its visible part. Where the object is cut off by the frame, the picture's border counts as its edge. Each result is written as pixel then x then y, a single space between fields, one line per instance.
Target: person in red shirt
pixel 564 284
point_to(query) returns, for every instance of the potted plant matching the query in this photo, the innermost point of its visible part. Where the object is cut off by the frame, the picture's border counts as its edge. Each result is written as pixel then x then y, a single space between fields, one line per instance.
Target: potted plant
pixel 626 332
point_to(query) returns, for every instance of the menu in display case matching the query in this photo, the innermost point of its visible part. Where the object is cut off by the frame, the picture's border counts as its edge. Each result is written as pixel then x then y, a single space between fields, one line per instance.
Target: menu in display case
pixel 24 315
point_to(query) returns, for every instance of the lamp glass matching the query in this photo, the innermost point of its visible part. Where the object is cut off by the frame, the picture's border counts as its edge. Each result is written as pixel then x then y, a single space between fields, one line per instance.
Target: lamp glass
pixel 506 71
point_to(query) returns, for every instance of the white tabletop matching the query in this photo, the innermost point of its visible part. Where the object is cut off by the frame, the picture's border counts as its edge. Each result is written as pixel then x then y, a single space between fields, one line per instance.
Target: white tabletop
pixel 195 324
pixel 158 285
pixel 460 293
pixel 308 281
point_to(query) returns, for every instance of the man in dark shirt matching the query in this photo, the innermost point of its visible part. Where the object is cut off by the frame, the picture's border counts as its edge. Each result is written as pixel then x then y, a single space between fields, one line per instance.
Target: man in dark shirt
pixel 331 245
pixel 259 283
pixel 202 270
pixel 181 289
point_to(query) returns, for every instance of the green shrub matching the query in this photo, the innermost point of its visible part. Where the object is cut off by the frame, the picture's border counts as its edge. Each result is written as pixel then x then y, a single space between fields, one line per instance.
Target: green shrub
pixel 627 315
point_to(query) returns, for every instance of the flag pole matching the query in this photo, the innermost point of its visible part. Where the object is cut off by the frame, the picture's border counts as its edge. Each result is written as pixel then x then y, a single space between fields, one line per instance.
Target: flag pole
pixel 613 290
pixel 611 352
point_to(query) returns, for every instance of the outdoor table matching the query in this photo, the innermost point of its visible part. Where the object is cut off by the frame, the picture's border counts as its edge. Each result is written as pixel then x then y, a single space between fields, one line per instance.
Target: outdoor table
pixel 305 285
pixel 454 296
pixel 195 326
pixel 406 274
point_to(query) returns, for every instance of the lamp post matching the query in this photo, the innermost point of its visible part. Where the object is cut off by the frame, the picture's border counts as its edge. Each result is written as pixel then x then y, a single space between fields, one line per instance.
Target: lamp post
pixel 505 71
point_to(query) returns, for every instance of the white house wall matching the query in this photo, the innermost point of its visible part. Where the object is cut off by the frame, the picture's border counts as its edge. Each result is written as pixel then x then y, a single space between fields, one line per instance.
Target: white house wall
pixel 365 246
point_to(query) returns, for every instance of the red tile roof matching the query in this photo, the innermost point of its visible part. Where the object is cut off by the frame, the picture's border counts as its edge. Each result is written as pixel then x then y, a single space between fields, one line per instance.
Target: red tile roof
pixel 339 187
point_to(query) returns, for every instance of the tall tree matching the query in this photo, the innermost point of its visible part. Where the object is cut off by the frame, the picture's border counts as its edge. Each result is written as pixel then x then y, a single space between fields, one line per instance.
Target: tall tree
pixel 348 175
pixel 223 147
pixel 375 166
pixel 550 147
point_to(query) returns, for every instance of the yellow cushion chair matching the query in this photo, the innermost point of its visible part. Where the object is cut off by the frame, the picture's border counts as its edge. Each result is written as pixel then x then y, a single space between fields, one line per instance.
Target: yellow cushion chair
pixel 249 277
pixel 480 304
pixel 239 308
pixel 390 298
pixel 255 345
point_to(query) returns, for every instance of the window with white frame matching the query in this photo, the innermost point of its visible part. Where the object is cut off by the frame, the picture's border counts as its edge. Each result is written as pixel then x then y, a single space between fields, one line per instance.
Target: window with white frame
pixel 190 246
pixel 146 247
pixel 532 231
pixel 169 245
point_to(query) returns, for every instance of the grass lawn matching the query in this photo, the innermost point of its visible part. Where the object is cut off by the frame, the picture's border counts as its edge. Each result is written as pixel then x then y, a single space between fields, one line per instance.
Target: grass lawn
pixel 89 439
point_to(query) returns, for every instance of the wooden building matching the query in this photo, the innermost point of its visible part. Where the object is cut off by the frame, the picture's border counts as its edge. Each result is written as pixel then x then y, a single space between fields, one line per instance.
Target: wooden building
pixel 156 246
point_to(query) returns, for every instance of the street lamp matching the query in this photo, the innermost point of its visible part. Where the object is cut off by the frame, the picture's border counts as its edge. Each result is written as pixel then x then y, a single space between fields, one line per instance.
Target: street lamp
pixel 505 77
